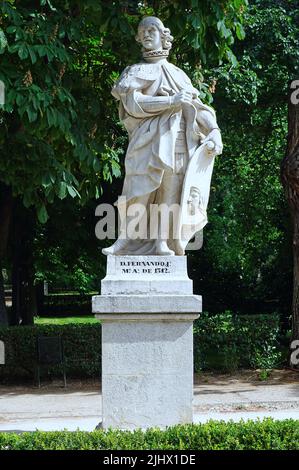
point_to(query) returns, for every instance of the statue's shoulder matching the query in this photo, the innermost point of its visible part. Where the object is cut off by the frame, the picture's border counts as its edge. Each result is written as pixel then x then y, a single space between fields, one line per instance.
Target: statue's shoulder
pixel 176 70
pixel 134 76
pixel 143 70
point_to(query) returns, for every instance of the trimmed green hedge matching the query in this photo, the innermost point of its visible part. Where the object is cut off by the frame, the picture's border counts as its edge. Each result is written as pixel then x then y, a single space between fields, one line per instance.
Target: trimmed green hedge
pixel 221 342
pixel 228 342
pixel 81 342
pixel 249 435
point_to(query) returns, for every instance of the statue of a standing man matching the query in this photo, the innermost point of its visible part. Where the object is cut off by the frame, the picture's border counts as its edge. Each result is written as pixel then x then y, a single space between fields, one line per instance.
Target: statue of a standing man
pixel 167 124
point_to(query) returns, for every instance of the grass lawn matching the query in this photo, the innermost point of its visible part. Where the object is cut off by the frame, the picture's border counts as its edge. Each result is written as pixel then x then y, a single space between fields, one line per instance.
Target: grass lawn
pixel 64 321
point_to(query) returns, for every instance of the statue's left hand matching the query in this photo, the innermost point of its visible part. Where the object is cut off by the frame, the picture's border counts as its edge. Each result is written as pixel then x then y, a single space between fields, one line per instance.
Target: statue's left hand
pixel 215 137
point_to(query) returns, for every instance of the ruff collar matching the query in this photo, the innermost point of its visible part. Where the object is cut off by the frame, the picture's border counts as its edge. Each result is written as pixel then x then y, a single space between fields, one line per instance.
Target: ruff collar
pixel 157 53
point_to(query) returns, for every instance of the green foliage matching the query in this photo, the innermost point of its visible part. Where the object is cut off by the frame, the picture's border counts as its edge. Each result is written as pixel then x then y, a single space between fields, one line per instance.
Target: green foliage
pixel 246 261
pixel 208 26
pixel 48 129
pixel 228 342
pixel 59 133
pixel 222 342
pixel 82 349
pixel 64 320
pixel 264 374
pixel 78 274
pixel 66 252
pixel 214 435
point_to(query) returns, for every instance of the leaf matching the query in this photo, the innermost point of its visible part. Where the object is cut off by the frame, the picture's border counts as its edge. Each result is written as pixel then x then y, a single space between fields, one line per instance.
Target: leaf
pixel 20 100
pixel 62 95
pixel 231 57
pixel 238 4
pixel 46 180
pixel 96 164
pixel 32 55
pixel 42 214
pixel 240 31
pixel 11 96
pixel 52 177
pixel 72 191
pixel 14 48
pixel 32 115
pixel 195 42
pixel 115 169
pixel 104 26
pixel 224 31
pixel 62 190
pixel 50 53
pixel 41 50
pixel 27 201
pixel 11 29
pixel 35 102
pixel 50 194
pixel 195 22
pixel 3 41
pixel 51 118
pixel 23 52
pixel 48 2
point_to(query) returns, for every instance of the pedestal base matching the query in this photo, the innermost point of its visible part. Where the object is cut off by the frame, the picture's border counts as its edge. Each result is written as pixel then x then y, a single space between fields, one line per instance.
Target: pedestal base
pixel 147 349
pixel 147 378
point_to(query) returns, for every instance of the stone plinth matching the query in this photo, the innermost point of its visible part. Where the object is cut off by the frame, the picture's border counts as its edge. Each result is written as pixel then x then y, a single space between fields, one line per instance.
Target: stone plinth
pixel 148 275
pixel 147 341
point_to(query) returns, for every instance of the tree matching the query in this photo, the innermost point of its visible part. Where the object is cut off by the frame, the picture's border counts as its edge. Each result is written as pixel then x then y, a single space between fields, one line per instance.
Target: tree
pixel 290 181
pixel 59 133
pixel 245 264
pixel 49 147
pixel 5 218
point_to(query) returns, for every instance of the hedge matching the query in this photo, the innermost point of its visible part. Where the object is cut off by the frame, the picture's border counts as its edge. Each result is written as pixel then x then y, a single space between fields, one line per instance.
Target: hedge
pixel 228 342
pixel 81 344
pixel 222 341
pixel 214 435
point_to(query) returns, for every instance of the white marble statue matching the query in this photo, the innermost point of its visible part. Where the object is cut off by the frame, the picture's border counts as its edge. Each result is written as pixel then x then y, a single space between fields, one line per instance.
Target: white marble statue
pixel 173 139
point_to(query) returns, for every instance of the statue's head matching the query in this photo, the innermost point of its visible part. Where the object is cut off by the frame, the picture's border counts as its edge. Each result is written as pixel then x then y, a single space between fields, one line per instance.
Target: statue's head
pixel 153 35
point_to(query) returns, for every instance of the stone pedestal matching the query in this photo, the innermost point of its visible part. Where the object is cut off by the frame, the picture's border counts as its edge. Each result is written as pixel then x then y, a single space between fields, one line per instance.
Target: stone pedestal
pixel 147 310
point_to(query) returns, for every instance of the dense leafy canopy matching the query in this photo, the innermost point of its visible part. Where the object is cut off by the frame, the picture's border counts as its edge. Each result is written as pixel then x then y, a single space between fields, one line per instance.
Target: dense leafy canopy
pixel 246 260
pixel 58 62
pixel 60 135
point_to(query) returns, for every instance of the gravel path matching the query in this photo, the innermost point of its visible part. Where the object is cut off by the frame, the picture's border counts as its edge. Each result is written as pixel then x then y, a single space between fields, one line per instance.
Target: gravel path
pixel 237 397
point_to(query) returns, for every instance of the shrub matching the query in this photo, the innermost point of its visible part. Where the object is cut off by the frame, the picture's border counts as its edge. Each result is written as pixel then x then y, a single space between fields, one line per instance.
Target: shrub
pixel 214 435
pixel 82 349
pixel 224 342
pixel 229 342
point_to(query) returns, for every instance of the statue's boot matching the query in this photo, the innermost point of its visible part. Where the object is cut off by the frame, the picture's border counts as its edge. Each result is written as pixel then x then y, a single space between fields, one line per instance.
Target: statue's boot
pixel 162 248
pixel 179 251
pixel 120 245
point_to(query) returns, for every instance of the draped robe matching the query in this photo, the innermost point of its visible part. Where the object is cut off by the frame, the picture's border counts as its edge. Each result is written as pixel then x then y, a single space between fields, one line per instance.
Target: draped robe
pixel 153 133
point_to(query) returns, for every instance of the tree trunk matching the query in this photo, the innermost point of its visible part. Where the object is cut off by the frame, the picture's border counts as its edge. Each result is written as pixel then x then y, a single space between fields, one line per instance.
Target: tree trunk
pixel 40 298
pixel 3 312
pixel 6 203
pixel 23 292
pixel 290 181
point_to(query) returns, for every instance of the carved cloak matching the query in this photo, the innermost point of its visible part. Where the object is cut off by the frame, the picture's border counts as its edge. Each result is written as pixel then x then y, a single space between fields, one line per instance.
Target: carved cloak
pixel 152 135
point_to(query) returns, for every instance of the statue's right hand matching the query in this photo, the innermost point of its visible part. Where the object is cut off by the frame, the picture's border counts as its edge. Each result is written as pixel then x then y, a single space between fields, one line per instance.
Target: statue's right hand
pixel 181 98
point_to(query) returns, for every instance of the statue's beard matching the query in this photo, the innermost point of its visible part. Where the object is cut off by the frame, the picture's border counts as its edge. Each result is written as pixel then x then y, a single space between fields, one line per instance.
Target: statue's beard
pixel 155 53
